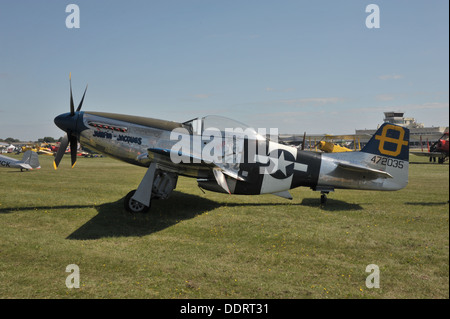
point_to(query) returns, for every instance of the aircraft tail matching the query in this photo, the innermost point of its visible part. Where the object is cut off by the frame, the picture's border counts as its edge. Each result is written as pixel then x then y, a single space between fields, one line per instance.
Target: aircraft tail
pixel 31 158
pixel 388 151
pixel 390 140
pixel 381 165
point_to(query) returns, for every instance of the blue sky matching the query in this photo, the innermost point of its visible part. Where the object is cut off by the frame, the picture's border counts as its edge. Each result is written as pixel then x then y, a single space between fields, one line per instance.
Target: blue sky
pixel 299 66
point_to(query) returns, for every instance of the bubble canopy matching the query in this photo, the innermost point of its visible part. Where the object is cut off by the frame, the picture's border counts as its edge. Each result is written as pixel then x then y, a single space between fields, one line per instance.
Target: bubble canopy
pixel 223 124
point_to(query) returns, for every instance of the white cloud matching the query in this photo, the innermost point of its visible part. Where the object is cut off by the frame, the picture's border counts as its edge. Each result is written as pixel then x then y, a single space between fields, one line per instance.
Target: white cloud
pixel 313 101
pixel 402 108
pixel 385 97
pixel 426 106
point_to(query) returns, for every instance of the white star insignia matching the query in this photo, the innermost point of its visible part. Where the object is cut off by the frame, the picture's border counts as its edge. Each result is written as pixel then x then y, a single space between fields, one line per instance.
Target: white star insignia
pixel 279 164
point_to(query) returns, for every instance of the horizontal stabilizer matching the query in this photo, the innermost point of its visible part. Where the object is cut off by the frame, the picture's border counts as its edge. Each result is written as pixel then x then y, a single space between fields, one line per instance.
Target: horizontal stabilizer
pixel 364 169
pixel 25 166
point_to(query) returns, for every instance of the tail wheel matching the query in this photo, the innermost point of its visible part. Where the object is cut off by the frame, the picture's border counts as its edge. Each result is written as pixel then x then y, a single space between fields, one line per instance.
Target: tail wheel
pixel 323 199
pixel 133 206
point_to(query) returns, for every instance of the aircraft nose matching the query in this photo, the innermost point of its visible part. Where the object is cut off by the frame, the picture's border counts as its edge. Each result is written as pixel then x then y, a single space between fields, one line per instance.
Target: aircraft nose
pixel 66 122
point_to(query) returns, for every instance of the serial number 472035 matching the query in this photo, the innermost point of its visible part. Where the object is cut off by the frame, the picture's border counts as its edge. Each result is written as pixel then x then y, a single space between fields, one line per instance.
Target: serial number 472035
pixel 386 161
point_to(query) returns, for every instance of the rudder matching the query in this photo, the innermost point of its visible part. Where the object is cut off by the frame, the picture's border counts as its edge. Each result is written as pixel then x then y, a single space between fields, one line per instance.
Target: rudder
pixel 31 158
pixel 390 140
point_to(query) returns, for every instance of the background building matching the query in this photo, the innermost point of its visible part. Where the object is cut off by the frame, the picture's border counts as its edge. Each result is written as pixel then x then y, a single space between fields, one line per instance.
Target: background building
pixel 418 132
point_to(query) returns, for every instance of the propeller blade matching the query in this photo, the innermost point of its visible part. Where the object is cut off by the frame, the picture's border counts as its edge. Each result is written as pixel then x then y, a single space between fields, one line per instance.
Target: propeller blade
pixel 68 138
pixel 73 150
pixel 61 151
pixel 82 99
pixel 317 144
pixel 72 107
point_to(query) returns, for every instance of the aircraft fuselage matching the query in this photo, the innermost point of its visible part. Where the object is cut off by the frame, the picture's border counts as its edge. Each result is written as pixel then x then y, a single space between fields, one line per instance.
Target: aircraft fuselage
pixel 139 141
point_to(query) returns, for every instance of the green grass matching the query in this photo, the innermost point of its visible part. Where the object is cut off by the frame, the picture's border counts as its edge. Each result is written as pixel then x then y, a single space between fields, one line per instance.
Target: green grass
pixel 211 245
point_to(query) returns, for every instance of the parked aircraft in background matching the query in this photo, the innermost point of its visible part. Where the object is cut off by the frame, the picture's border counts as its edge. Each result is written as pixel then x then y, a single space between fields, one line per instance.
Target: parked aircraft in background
pixel 328 145
pixel 439 149
pixel 245 163
pixel 29 161
pixel 37 149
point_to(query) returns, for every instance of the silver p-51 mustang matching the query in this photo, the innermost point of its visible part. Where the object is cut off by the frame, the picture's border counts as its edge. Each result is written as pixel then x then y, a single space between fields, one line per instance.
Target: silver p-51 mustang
pixel 228 156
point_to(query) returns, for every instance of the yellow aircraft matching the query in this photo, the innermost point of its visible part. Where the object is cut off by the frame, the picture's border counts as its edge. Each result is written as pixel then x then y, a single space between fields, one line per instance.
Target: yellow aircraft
pixel 330 147
pixel 324 146
pixel 29 148
pixel 37 149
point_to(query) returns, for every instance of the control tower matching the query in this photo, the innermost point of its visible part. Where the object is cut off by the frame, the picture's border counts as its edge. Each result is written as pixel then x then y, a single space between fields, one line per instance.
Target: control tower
pixel 399 119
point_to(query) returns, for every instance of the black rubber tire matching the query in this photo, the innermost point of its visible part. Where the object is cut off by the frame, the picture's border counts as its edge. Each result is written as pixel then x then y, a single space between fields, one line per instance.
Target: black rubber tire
pixel 134 207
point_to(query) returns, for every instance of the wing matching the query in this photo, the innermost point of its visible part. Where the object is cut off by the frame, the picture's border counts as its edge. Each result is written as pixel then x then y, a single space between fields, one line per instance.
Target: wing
pixel 218 169
pixel 429 154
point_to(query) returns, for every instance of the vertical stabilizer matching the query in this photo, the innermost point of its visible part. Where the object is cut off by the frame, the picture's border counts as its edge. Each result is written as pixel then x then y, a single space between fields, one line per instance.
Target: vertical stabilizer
pixel 32 159
pixel 381 165
pixel 390 140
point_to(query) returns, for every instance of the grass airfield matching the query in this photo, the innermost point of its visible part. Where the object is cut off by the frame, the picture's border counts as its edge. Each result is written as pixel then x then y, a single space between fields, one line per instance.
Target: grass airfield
pixel 209 245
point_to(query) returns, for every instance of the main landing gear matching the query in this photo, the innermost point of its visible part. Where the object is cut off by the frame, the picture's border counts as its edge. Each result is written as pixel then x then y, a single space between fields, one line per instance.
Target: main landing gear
pixel 156 184
pixel 134 206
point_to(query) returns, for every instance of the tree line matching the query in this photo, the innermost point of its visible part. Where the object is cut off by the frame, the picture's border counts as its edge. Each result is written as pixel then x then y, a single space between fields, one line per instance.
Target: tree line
pixel 47 139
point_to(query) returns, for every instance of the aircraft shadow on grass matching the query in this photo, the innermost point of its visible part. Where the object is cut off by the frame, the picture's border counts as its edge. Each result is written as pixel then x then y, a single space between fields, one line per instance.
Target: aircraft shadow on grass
pixel 113 221
pixel 332 205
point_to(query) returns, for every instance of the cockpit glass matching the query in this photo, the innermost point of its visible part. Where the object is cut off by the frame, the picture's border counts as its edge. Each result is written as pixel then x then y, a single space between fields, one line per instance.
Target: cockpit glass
pixel 222 124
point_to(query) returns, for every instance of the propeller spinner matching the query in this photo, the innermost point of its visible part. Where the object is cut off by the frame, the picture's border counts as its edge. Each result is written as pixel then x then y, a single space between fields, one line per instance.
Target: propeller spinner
pixel 68 123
